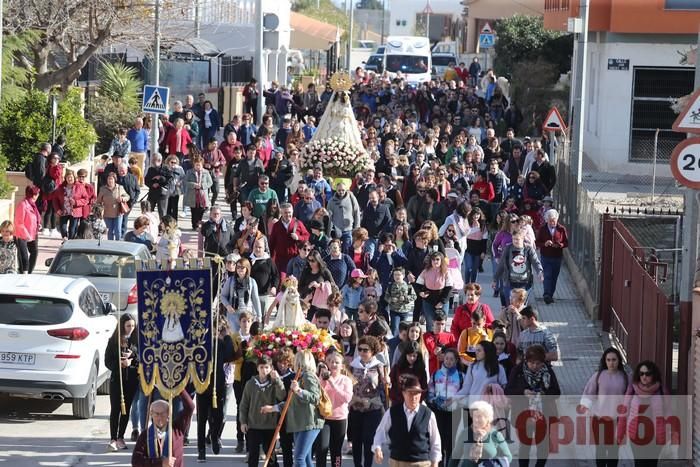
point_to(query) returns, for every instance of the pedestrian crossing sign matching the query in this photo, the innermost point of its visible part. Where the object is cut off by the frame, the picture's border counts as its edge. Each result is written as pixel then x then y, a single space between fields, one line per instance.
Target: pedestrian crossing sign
pixel 486 41
pixel 155 99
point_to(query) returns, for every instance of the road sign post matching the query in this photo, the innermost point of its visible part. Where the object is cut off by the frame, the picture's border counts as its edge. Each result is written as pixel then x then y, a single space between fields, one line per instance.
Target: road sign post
pixel 685 163
pixel 487 40
pixel 155 99
pixel 553 121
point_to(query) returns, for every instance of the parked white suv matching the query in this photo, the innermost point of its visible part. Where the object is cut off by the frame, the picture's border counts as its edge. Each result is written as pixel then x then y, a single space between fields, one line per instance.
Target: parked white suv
pixel 53 335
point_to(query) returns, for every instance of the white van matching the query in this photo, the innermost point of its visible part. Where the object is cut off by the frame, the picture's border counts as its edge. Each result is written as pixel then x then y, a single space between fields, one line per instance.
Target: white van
pixel 409 55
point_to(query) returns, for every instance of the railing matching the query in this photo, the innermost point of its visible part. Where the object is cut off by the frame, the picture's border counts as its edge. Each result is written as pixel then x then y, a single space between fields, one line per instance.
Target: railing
pixel 556 5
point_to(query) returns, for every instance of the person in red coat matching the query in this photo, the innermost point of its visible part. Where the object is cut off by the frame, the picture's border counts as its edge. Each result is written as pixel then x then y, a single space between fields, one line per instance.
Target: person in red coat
pixel 551 239
pixel 484 187
pixel 438 339
pixel 178 139
pixel 152 445
pixel 463 314
pixel 89 189
pixel 69 200
pixel 285 237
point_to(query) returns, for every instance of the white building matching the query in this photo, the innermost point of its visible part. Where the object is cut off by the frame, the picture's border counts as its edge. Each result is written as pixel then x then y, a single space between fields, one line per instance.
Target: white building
pixel 626 106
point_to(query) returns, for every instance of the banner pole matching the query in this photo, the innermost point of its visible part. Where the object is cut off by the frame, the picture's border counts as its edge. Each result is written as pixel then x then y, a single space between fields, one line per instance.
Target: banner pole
pixel 119 335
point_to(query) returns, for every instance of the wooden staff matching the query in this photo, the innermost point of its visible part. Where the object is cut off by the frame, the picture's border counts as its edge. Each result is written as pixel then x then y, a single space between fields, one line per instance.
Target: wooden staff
pixel 276 434
pixel 119 334
pixel 386 386
pixel 170 425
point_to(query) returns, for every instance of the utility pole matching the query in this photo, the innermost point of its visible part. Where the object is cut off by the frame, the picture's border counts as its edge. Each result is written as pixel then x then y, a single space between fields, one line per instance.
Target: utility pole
pixel 156 77
pixel 350 34
pixel 197 22
pixel 579 103
pixel 689 263
pixel 259 54
pixel 383 19
pixel 1 29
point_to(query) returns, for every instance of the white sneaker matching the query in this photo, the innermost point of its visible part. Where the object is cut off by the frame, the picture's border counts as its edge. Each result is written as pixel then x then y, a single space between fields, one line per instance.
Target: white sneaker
pixel 46 232
pixel 55 234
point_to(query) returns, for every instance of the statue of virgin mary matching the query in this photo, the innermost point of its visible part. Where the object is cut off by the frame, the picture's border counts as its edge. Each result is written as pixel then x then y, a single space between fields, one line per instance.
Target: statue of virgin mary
pixel 338 120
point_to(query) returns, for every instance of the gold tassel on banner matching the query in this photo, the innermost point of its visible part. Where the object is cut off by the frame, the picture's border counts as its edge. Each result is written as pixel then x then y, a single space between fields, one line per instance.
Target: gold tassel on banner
pixel 170 425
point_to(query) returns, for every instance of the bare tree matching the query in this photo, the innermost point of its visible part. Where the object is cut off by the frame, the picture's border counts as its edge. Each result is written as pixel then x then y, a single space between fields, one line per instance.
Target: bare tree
pixel 69 33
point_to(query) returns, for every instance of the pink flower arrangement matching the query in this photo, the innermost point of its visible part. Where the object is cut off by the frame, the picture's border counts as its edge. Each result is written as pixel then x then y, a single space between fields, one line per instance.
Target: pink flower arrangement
pixel 309 337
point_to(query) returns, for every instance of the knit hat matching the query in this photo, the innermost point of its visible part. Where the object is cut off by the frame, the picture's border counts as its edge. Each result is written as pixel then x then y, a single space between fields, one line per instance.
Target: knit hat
pixel 315 225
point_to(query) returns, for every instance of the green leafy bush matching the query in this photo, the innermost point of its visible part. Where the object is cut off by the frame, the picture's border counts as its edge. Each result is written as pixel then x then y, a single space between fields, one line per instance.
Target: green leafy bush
pixel 116 104
pixel 25 123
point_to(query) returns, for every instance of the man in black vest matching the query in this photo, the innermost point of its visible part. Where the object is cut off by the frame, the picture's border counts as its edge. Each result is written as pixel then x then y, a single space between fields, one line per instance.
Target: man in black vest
pixel 410 430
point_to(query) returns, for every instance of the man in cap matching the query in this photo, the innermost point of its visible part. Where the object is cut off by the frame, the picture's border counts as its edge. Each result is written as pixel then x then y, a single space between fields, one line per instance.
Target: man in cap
pixel 409 429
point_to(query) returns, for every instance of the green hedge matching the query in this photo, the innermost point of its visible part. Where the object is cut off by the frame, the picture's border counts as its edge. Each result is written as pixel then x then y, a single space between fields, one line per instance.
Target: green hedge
pixel 25 123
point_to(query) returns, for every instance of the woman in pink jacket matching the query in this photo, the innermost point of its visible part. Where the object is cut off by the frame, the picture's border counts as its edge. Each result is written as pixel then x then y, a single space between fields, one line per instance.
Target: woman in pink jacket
pixel 27 225
pixel 69 200
pixel 339 389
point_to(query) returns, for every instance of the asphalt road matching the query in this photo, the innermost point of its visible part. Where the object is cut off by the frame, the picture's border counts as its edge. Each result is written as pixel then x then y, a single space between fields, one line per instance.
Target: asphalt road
pixel 44 433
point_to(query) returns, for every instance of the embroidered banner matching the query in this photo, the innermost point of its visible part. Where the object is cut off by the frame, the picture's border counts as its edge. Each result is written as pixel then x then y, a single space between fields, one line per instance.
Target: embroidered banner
pixel 174 324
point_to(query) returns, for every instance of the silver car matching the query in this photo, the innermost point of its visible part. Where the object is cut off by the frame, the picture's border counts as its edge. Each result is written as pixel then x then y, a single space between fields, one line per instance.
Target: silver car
pixel 97 262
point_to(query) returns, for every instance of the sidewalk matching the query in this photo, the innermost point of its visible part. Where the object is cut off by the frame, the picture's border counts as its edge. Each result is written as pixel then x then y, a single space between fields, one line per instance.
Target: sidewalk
pixel 580 344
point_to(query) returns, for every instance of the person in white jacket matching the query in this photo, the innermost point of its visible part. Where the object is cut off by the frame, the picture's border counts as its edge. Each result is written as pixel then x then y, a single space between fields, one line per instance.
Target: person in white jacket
pixel 240 293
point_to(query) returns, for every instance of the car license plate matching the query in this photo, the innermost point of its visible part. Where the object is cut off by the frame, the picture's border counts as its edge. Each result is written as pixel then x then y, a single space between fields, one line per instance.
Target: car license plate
pixel 16 358
pixel 106 297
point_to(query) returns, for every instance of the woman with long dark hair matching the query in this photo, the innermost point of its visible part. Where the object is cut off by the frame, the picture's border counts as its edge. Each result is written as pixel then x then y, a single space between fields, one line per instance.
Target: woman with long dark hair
pixel 121 355
pixel 477 237
pixel 434 287
pixel 240 293
pixel 315 283
pixel 484 371
pixel 411 362
pixel 610 379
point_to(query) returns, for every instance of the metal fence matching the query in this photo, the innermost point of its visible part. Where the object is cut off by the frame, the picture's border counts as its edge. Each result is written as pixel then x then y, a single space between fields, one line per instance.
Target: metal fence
pixel 581 218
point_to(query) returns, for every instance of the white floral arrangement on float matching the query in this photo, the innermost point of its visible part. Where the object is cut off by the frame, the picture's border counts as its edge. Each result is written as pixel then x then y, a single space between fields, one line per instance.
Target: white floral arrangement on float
pixel 337 157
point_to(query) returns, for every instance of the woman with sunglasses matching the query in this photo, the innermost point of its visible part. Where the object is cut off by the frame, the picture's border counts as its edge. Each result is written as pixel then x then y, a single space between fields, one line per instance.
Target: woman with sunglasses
pixel 646 389
pixel 368 400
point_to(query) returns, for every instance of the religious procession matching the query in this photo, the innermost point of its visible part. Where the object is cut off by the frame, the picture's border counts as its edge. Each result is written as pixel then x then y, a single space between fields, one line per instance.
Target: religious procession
pixel 335 303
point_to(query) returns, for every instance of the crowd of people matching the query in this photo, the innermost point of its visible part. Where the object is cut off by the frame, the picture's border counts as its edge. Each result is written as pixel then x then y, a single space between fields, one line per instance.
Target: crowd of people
pixel 381 260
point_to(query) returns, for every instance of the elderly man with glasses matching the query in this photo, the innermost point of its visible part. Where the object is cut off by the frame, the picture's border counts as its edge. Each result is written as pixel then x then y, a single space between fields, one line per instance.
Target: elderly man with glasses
pixel 153 445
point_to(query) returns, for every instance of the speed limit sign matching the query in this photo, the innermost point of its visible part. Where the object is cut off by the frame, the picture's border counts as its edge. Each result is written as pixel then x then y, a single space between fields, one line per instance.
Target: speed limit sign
pixel 685 163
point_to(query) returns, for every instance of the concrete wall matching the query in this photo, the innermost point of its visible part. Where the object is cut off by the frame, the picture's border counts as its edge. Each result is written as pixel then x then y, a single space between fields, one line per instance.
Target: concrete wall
pixel 609 98
pixel 7 206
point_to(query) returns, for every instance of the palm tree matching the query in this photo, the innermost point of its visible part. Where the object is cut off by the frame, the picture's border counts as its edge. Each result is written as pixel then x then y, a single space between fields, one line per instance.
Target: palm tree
pixel 120 84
